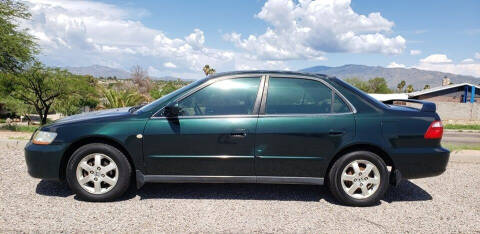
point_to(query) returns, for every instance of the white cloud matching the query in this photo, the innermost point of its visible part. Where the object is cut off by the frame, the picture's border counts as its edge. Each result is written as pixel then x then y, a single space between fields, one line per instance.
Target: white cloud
pixel 436 58
pixel 396 65
pixel 77 33
pixel 196 39
pixel 415 52
pixel 477 55
pixel 309 29
pixel 169 65
pixel 440 62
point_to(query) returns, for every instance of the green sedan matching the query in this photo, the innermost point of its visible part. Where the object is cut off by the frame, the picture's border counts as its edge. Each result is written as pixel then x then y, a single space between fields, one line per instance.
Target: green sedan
pixel 246 127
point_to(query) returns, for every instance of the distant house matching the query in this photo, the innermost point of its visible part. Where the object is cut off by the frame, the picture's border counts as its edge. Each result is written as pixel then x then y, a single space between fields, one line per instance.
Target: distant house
pixel 460 93
pixel 463 92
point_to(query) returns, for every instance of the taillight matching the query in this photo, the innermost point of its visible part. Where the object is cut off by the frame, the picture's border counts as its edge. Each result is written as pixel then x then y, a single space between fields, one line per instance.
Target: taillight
pixel 435 131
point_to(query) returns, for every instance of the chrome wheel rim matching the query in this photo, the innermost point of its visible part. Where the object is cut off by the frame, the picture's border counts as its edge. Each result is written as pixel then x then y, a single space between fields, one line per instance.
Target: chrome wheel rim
pixel 97 173
pixel 360 179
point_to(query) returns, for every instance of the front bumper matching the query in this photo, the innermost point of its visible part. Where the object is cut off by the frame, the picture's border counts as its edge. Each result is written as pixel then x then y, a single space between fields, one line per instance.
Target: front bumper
pixel 44 161
pixel 421 162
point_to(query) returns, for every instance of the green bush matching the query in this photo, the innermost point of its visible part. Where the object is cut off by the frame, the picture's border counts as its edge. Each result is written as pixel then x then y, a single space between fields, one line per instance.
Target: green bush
pixel 19 128
pixel 463 126
pixel 457 147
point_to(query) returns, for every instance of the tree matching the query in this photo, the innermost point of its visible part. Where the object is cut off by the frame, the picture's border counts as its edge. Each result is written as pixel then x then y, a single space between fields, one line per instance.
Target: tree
pixel 41 87
pixel 18 107
pixel 140 79
pixel 426 86
pixel 375 85
pixel 166 89
pixel 86 95
pixel 208 70
pixel 17 47
pixel 359 84
pixel 378 85
pixel 410 88
pixel 401 85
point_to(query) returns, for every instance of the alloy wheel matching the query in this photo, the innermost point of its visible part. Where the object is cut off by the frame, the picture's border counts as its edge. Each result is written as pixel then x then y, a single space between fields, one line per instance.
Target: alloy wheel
pixel 97 173
pixel 360 179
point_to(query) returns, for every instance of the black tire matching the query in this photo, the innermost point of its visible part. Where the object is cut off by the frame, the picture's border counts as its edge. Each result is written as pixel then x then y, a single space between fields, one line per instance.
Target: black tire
pixel 124 172
pixel 335 182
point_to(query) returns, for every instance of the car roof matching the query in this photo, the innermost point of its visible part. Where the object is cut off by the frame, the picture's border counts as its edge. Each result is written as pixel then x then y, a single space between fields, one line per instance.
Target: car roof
pixel 268 72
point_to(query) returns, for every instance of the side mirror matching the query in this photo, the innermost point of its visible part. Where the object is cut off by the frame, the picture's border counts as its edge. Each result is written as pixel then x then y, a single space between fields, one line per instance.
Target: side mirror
pixel 172 110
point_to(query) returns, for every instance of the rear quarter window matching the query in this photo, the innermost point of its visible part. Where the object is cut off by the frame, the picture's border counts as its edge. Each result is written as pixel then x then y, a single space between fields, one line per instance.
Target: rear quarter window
pixel 339 106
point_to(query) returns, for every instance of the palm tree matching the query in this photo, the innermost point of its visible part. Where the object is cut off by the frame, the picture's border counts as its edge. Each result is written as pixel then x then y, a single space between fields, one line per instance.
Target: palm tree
pixel 401 85
pixel 409 88
pixel 208 70
pixel 121 98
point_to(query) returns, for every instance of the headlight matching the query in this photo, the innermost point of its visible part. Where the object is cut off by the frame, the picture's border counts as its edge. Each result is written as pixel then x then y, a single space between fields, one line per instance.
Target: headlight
pixel 43 138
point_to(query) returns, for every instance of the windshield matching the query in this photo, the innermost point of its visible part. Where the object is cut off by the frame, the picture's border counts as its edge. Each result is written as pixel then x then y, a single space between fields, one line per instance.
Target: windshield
pixel 165 98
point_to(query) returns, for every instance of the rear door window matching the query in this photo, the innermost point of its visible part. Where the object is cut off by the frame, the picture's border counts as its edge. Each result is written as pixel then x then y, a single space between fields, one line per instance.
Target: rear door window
pixel 297 96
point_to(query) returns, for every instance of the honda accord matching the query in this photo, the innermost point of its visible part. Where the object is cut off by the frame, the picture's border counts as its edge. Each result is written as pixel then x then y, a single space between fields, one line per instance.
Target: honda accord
pixel 246 127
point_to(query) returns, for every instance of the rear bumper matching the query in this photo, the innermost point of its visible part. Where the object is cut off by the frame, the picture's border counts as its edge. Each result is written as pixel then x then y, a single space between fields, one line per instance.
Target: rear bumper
pixel 420 163
pixel 43 161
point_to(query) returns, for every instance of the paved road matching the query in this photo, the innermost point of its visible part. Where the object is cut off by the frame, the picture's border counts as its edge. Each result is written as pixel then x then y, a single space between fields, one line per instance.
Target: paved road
pixel 456 137
pixel 447 203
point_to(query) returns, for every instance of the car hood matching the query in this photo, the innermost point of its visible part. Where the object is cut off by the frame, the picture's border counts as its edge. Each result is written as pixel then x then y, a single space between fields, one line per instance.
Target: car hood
pixel 118 112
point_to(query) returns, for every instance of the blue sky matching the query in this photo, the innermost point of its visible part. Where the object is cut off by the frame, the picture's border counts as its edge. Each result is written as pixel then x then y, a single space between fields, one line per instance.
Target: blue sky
pixel 178 37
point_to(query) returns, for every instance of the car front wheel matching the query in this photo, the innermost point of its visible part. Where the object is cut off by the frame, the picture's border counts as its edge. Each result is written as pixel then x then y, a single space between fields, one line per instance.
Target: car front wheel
pixel 98 172
pixel 359 178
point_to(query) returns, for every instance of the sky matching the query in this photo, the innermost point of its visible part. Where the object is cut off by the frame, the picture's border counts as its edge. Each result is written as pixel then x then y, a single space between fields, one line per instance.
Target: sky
pixel 177 38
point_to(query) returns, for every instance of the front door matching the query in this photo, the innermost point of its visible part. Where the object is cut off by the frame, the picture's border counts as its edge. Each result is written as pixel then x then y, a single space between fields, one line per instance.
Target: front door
pixel 301 125
pixel 214 135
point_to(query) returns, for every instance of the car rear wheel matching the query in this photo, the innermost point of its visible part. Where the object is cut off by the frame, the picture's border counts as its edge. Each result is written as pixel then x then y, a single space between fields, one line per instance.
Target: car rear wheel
pixel 358 178
pixel 98 172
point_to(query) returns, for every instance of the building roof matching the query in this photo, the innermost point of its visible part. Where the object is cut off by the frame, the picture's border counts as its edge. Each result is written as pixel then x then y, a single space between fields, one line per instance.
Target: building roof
pixel 440 88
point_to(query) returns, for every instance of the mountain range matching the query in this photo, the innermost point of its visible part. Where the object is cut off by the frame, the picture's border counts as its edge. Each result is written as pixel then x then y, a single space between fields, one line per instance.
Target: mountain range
pixel 416 77
pixel 104 71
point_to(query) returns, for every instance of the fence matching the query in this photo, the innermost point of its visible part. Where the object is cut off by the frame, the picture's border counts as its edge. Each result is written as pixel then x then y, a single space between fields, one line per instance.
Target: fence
pixel 458 111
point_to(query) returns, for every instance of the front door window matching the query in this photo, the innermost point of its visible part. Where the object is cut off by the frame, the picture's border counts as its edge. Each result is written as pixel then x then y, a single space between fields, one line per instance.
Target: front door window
pixel 226 97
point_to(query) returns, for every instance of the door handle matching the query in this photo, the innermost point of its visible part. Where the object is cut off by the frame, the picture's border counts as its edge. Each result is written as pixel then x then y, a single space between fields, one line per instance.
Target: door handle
pixel 239 133
pixel 336 133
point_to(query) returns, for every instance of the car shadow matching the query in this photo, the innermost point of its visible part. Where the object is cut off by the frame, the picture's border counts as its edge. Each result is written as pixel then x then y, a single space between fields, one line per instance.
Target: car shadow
pixel 53 188
pixel 405 191
pixel 234 191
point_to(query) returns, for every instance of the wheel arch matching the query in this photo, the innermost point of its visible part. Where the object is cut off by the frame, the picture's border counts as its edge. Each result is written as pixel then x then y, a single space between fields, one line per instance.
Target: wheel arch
pixel 88 140
pixel 362 147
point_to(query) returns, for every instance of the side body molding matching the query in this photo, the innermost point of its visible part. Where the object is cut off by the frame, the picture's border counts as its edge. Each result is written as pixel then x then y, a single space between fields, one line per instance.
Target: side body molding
pixel 142 179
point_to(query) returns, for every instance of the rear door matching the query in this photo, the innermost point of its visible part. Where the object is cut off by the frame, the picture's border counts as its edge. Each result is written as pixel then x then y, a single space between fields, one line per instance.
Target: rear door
pixel 301 125
pixel 214 134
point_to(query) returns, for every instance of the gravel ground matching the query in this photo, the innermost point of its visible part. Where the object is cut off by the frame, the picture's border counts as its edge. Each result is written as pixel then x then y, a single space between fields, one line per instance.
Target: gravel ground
pixel 447 203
